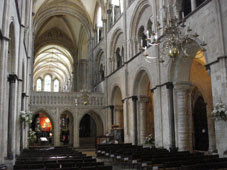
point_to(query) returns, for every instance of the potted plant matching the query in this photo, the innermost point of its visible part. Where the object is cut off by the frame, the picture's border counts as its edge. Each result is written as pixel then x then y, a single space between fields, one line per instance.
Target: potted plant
pixel 149 140
pixel 31 137
pixel 26 116
pixel 220 112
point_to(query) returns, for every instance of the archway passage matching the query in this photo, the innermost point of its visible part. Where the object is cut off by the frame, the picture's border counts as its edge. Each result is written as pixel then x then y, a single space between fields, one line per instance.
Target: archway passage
pixel 66 124
pixel 43 130
pixel 118 122
pixel 150 113
pixel 88 131
pixel 146 124
pixel 200 125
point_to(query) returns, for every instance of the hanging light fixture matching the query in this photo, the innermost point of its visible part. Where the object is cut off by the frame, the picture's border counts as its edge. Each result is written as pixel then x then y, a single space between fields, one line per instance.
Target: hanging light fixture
pixel 175 41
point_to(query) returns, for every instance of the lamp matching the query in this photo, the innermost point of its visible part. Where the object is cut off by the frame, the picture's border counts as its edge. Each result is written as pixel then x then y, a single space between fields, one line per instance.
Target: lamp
pixel 175 40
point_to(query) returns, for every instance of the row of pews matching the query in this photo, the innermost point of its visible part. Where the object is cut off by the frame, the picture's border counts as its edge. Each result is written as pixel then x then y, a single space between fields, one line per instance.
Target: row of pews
pixel 57 158
pixel 133 156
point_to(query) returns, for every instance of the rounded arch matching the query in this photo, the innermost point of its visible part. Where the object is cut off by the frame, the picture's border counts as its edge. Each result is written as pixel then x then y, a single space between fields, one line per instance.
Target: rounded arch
pixel 114 40
pixel 141 88
pixel 190 72
pixel 179 69
pixel 138 78
pixel 99 65
pixel 140 8
pixel 116 95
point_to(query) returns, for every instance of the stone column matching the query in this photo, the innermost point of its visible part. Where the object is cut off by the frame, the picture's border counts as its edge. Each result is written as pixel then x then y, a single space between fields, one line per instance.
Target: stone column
pixel 112 114
pixel 11 114
pixel 118 115
pixel 193 4
pixel 183 130
pixel 135 128
pixel 57 130
pixel 90 64
pixel 76 136
pixel 169 86
pixel 142 112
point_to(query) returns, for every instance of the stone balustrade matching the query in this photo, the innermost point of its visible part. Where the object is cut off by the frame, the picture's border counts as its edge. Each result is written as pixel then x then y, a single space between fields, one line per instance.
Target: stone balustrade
pixel 65 99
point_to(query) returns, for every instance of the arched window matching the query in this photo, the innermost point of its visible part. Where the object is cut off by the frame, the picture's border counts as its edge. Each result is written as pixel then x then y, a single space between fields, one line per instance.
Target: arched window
pixel 99 17
pixel 38 84
pixel 117 9
pixel 47 83
pixel 99 24
pixel 56 85
pixel 142 37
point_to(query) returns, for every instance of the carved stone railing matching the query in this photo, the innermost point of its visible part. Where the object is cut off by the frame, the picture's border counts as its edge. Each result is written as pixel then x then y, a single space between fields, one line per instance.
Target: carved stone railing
pixel 65 99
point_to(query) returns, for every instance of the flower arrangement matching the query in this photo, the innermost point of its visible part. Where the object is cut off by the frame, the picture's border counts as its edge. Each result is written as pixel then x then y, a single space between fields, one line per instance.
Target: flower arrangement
pixel 220 111
pixel 149 140
pixel 26 116
pixel 31 136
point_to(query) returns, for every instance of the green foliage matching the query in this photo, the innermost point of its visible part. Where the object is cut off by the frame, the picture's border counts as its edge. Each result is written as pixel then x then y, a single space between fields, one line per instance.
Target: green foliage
pixel 149 140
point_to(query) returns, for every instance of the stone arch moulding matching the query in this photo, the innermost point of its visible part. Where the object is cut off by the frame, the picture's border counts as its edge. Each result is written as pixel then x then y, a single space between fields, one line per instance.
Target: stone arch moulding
pixel 143 71
pixel 114 39
pixel 97 118
pixel 139 9
pixel 113 89
pixel 175 68
pixel 63 10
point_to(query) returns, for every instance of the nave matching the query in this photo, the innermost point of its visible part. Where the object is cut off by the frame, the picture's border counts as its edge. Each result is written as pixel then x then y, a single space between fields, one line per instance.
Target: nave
pixel 123 156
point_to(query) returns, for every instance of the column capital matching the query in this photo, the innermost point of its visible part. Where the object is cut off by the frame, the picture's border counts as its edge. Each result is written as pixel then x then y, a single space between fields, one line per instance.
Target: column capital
pixel 182 86
pixel 144 99
pixel 118 107
pixel 12 78
pixel 134 98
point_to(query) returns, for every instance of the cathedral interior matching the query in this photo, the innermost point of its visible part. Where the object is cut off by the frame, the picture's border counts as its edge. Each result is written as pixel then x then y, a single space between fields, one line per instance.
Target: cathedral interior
pixel 113 74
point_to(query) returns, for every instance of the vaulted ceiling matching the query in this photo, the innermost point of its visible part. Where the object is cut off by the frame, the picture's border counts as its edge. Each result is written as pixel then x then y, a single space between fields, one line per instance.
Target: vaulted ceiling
pixel 61 23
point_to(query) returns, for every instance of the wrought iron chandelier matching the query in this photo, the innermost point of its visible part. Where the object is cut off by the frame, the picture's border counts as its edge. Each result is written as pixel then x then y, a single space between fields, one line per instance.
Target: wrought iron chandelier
pixel 175 41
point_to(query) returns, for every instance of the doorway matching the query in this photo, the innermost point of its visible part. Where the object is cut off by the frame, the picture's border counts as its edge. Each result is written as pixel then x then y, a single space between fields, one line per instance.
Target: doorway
pixel 87 131
pixel 201 140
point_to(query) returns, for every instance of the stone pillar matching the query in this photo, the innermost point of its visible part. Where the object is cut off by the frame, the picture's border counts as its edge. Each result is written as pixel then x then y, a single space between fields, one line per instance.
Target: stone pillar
pixel 76 140
pixel 193 4
pixel 57 130
pixel 90 64
pixel 142 118
pixel 135 128
pixel 70 130
pixel 112 114
pixel 11 114
pixel 169 86
pixel 183 129
pixel 118 115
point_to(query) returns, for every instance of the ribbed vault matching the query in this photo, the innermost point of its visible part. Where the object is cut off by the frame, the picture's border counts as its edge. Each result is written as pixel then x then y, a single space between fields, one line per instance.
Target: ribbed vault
pixel 54 60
